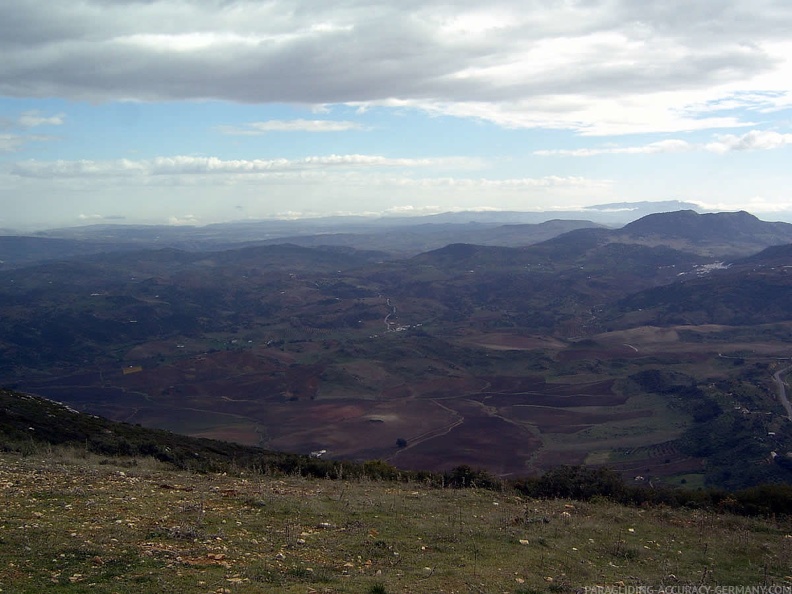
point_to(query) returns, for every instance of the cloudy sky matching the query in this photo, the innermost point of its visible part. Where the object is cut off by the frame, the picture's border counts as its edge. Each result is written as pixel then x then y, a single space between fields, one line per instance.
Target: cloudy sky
pixel 198 111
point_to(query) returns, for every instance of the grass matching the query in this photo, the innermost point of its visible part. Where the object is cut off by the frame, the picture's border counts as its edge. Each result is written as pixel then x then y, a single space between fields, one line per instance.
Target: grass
pixel 73 522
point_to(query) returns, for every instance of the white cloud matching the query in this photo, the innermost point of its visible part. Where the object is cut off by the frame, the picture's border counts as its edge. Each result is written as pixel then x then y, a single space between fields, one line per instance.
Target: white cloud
pixel 31 119
pixel 12 143
pixel 550 181
pixel 758 101
pixel 588 117
pixel 409 209
pixel 186 165
pixel 662 146
pixel 259 128
pixel 345 174
pixel 750 141
pixel 183 220
pixel 597 67
pixel 724 143
pixel 753 204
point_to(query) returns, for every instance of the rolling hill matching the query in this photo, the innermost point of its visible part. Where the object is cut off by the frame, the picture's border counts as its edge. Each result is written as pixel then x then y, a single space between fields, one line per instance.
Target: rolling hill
pixel 458 354
pixel 95 506
pixel 716 234
pixel 745 292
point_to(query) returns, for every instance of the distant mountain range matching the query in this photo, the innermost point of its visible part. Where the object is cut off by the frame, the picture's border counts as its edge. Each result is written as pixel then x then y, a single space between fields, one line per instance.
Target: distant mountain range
pixel 711 234
pixel 726 233
pixel 459 341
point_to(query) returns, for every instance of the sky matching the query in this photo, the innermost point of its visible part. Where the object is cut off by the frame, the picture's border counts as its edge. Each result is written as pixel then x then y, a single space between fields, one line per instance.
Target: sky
pixel 200 111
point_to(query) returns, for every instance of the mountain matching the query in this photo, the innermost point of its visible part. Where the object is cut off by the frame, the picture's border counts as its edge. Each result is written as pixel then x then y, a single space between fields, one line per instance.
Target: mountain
pixel 712 235
pixel 450 227
pixel 17 251
pixel 398 236
pixel 724 233
pixel 747 291
pixel 779 255
pixel 408 240
pixel 554 352
pixel 608 214
pixel 640 209
pixel 27 419
pixel 392 237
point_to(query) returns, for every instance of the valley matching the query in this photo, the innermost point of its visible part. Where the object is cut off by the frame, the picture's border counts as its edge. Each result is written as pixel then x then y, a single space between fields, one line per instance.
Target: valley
pixel 586 348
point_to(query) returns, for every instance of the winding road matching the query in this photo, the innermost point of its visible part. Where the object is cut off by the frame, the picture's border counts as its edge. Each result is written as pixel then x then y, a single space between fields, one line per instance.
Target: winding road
pixel 782 386
pixel 388 323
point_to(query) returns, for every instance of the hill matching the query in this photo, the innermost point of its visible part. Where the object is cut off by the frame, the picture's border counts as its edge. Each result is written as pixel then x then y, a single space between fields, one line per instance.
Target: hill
pixel 77 524
pixel 723 235
pixel 717 234
pixel 17 251
pixel 388 239
pixel 409 240
pixel 28 422
pixel 447 358
pixel 75 520
pixel 746 291
pixel 694 226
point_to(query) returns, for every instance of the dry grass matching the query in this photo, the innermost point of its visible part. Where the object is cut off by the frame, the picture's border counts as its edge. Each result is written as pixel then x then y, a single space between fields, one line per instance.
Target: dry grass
pixel 71 522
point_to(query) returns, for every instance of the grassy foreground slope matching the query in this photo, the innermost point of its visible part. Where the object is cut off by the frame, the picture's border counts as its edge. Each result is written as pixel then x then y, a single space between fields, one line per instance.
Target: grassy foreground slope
pixel 73 522
pixel 78 514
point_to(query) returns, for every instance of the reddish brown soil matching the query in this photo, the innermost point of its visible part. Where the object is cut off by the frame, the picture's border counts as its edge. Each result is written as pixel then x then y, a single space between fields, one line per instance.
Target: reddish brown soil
pixel 557 420
pixel 592 354
pixel 504 341
pixel 485 442
pixel 347 429
pixel 492 422
pixel 546 459
pixel 555 401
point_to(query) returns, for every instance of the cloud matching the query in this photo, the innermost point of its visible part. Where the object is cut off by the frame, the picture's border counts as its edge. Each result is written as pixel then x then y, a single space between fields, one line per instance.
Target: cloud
pixel 750 141
pixel 183 220
pixel 186 165
pixel 100 217
pixel 596 67
pixel 662 146
pixel 753 140
pixel 549 181
pixel 12 143
pixel 31 119
pixel 370 176
pixel 259 128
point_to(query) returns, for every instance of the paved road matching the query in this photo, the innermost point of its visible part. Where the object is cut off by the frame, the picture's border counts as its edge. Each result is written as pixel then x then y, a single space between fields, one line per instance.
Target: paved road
pixel 388 323
pixel 782 395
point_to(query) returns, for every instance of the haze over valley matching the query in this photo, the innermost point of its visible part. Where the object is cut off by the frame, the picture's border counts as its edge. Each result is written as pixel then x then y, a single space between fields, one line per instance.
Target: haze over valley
pixel 508 236
pixel 657 348
pixel 373 296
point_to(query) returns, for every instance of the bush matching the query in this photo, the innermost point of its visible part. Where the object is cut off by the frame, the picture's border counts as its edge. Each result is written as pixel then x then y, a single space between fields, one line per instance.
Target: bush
pixel 580 482
pixel 465 476
pixel 379 470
